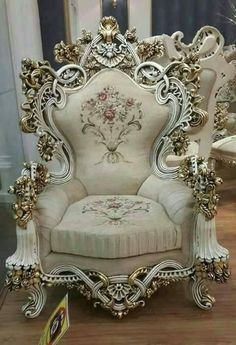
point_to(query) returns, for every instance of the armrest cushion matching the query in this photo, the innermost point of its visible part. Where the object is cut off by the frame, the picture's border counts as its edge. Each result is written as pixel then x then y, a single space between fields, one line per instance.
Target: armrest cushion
pixel 173 195
pixel 54 201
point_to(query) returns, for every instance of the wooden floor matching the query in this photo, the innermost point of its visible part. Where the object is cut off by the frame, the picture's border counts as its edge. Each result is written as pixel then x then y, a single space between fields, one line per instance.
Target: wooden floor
pixel 168 318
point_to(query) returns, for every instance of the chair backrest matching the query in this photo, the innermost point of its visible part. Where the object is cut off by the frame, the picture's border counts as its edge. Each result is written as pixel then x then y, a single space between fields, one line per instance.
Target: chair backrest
pixel 110 116
pixel 215 72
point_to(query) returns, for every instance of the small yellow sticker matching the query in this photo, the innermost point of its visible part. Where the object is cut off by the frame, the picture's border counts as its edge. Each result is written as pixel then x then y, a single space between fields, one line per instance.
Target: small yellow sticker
pixel 57 324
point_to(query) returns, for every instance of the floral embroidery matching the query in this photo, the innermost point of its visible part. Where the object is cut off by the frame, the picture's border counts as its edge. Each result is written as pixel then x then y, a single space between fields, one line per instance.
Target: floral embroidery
pixel 111 116
pixel 116 209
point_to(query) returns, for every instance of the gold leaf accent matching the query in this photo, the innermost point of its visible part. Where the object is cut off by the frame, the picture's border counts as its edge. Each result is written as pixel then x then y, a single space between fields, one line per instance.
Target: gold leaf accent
pixel 147 50
pixel 217 270
pixel 108 28
pixel 46 147
pixel 203 181
pixel 221 115
pixel 22 278
pixel 72 52
pixel 180 142
pixel 34 178
pixel 188 72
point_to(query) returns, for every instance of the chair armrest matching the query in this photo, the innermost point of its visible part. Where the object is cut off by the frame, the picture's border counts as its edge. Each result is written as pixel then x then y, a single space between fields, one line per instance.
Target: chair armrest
pixel 173 195
pixel 34 177
pixel 55 200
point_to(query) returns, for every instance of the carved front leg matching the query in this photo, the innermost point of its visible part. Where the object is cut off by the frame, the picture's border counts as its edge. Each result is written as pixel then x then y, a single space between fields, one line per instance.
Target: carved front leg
pixel 36 301
pixel 30 280
pixel 199 293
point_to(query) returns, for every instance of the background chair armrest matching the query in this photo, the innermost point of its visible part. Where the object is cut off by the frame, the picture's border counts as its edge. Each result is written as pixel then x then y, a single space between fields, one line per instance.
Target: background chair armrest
pixel 173 195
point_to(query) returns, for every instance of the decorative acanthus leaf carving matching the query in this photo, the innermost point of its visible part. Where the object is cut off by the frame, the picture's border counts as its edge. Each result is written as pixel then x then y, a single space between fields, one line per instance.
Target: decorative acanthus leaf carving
pixel 188 71
pixel 27 187
pixel 22 278
pixel 221 115
pixel 203 181
pixel 148 50
pixel 217 270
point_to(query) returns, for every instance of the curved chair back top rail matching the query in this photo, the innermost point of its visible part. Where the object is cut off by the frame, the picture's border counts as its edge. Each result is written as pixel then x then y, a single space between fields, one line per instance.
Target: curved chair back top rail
pixel 110 107
pixel 215 72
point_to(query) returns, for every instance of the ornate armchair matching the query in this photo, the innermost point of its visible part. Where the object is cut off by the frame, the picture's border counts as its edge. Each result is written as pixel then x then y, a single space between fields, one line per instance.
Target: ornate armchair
pixel 210 90
pixel 111 218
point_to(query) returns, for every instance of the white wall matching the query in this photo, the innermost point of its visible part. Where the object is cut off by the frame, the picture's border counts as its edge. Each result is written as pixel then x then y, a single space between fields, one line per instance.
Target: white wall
pixel 11 152
pixel 86 14
pixel 25 41
pixel 139 16
pixel 19 37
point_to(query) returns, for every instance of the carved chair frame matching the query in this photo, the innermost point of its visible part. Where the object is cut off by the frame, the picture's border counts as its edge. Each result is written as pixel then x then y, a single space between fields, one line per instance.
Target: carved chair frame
pixel 176 85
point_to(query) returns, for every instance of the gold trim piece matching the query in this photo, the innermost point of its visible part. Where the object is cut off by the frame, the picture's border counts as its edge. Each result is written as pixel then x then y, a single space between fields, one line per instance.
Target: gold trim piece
pixel 27 187
pixel 203 181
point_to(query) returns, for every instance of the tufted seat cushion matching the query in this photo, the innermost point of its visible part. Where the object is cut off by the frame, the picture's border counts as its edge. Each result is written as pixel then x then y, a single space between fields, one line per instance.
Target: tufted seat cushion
pixel 111 226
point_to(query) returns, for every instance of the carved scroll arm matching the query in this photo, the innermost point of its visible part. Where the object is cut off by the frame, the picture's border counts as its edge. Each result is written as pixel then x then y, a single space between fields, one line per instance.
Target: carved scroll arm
pixel 34 177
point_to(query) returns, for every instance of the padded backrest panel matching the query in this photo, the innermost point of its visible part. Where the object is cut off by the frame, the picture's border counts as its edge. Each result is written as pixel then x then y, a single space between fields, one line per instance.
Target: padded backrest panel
pixel 111 124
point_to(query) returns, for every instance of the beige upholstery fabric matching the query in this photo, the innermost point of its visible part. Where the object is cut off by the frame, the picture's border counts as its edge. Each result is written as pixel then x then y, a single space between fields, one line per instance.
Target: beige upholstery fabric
pixel 112 266
pixel 51 206
pixel 111 125
pixel 174 196
pixel 115 227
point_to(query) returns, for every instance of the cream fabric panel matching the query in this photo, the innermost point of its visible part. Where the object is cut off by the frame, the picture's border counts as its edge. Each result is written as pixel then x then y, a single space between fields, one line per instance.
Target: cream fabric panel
pixel 174 196
pixel 115 227
pixel 111 125
pixel 51 206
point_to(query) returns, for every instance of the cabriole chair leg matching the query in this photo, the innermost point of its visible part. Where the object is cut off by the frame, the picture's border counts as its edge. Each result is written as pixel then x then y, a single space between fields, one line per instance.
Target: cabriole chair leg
pixel 199 293
pixel 36 301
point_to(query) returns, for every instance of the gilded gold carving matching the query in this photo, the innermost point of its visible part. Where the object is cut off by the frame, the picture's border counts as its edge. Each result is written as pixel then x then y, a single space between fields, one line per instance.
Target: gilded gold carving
pixel 46 147
pixel 148 50
pixel 72 52
pixel 180 142
pixel 130 35
pixel 22 278
pixel 34 74
pixel 217 270
pixel 108 28
pixel 34 178
pixel 188 71
pixel 195 173
pixel 221 115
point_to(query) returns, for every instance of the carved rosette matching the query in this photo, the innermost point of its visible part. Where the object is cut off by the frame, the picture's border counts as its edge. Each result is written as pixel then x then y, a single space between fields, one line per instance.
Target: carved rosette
pixel 148 50
pixel 72 52
pixel 217 270
pixel 203 181
pixel 22 278
pixel 32 181
pixel 46 147
pixel 180 142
